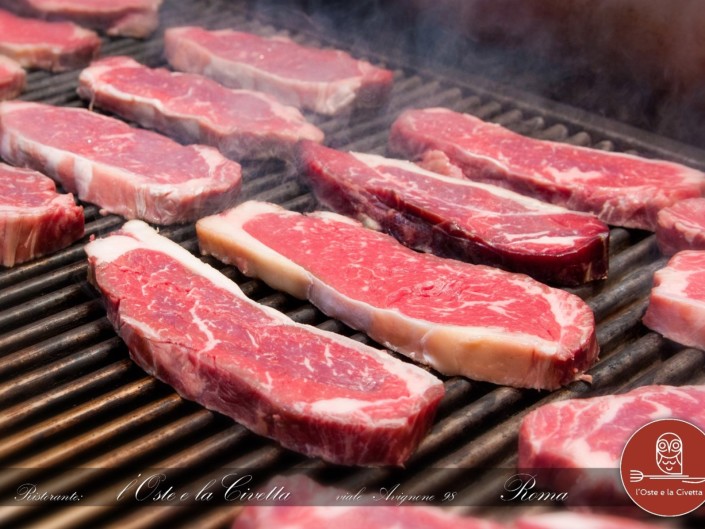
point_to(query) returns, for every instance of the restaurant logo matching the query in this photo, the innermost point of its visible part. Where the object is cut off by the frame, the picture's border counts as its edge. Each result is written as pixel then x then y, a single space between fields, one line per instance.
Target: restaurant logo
pixel 662 467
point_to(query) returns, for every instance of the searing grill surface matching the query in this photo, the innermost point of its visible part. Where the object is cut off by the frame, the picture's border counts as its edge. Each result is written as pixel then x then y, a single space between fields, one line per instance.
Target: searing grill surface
pixel 71 398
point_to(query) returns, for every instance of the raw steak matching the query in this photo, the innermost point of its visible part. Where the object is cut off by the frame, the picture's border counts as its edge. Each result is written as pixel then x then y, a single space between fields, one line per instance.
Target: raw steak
pixel 12 78
pixel 457 218
pixel 677 303
pixel 461 319
pixel 315 392
pixel 35 220
pixel 128 18
pixel 133 172
pixel 582 439
pixel 194 109
pixel 55 46
pixel 681 226
pixel 620 189
pixel 313 506
pixel 325 81
pixel 580 520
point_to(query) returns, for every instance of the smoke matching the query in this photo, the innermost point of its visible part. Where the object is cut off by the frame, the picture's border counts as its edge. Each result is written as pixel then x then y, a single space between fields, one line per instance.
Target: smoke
pixel 641 62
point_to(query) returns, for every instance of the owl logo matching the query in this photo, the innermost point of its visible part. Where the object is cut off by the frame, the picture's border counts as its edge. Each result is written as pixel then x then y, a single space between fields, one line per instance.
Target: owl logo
pixel 669 453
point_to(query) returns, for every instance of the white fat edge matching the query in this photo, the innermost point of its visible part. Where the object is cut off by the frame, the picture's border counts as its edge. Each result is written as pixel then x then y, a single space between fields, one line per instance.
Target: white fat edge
pixel 154 104
pixel 109 248
pixel 435 110
pixel 286 112
pixel 82 173
pixel 213 158
pixel 335 217
pixel 79 32
pixel 532 204
pixel 574 175
pixel 541 238
pixel 343 408
pixel 330 96
pixel 94 72
pixel 230 225
pixel 11 65
pixel 151 240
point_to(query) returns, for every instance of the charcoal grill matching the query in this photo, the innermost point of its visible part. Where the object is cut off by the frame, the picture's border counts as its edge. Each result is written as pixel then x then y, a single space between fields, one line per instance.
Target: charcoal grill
pixel 76 414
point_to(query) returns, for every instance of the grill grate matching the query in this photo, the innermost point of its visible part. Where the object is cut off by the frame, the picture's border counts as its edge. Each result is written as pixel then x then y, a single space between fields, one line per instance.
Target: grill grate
pixel 70 397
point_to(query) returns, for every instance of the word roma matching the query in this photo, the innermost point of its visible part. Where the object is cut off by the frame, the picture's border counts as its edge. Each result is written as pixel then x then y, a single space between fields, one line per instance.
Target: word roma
pixel 153 488
pixel 521 488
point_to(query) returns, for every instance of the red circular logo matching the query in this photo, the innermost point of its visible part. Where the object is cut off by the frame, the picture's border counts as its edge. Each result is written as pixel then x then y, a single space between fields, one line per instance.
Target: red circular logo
pixel 663 468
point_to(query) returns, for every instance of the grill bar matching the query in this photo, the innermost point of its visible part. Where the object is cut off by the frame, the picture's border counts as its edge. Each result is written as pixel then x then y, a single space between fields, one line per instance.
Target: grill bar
pixel 70 397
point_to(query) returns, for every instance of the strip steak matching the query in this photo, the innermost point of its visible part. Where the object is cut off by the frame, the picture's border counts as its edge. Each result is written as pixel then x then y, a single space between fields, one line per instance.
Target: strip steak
pixel 323 80
pixel 194 109
pixel 677 302
pixel 457 218
pixel 313 391
pixel 127 18
pixel 461 319
pixel 55 46
pixel 35 220
pixel 132 172
pixel 580 441
pixel 621 189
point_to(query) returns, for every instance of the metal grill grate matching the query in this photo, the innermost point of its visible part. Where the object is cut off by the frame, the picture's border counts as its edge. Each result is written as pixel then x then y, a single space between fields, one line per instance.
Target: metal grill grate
pixel 70 397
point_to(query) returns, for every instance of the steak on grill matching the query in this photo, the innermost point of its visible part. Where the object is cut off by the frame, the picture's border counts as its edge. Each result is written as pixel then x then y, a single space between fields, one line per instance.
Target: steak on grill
pixel 127 18
pixel 313 391
pixel 194 109
pixel 132 172
pixel 681 226
pixel 620 189
pixel 12 78
pixel 35 220
pixel 323 80
pixel 580 440
pixel 677 302
pixel 54 46
pixel 579 520
pixel 461 319
pixel 458 218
